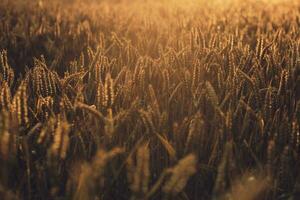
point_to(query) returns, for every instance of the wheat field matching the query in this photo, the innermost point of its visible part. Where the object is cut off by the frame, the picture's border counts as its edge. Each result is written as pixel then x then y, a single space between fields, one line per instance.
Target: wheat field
pixel 145 99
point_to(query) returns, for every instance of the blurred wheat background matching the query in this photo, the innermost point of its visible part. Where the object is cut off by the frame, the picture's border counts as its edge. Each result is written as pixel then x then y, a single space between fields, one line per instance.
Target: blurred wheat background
pixel 179 99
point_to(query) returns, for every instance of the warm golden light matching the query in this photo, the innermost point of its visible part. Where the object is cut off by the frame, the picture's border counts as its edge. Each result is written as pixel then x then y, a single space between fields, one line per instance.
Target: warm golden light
pixel 149 99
